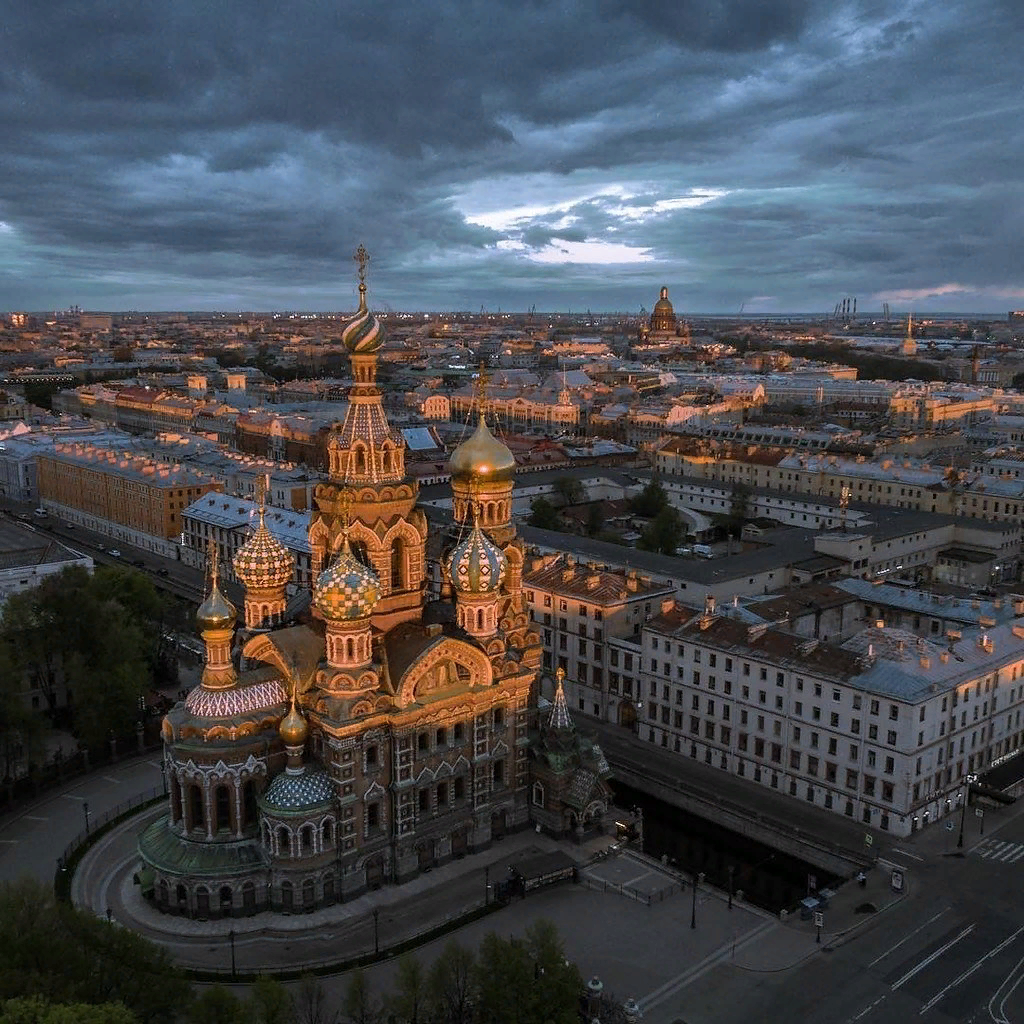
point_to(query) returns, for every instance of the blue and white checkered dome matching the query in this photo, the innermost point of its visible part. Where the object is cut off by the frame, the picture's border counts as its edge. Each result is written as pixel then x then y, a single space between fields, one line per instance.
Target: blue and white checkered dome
pixel 476 564
pixel 347 589
pixel 291 792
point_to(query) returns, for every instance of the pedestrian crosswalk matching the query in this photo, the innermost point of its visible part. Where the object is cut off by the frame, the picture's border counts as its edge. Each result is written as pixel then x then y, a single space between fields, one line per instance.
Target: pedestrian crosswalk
pixel 994 850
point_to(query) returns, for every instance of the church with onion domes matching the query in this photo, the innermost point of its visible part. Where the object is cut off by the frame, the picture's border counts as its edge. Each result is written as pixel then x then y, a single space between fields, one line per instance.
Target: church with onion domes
pixel 375 734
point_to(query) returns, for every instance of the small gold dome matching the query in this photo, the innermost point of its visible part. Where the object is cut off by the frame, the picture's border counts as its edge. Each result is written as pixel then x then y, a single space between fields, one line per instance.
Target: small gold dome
pixel 482 457
pixel 216 612
pixel 293 728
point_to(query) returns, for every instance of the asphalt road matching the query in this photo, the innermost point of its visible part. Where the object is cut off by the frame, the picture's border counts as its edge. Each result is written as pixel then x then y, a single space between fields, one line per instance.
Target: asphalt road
pixel 953 951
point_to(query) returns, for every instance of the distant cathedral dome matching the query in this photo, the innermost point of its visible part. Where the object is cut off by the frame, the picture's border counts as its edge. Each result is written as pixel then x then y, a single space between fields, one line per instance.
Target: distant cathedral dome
pixel 664 316
pixel 347 589
pixel 476 564
pixel 263 562
pixel 482 457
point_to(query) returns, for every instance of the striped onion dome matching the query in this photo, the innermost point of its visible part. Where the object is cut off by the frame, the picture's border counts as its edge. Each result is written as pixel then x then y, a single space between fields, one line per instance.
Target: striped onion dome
pixel 363 333
pixel 263 562
pixel 476 564
pixel 347 589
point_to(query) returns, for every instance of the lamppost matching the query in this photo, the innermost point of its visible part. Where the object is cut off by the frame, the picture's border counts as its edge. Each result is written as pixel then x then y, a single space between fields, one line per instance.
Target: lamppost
pixel 85 808
pixel 731 870
pixel 231 939
pixel 487 883
pixel 968 782
pixel 697 879
pixel 639 708
pixel 163 775
pixel 376 931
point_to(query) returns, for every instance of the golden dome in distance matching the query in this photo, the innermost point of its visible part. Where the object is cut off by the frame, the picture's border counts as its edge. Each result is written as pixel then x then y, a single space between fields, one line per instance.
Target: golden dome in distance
pixel 293 728
pixel 482 457
pixel 216 612
pixel 663 303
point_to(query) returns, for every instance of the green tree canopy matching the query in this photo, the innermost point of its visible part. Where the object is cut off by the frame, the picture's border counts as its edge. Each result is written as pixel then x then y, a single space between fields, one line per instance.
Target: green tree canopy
pixel 69 956
pixel 37 1010
pixel 570 490
pixel 651 500
pixel 664 533
pixel 544 515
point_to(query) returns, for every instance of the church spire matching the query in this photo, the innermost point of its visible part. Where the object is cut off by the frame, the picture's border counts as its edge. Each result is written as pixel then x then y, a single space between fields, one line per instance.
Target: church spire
pixel 560 718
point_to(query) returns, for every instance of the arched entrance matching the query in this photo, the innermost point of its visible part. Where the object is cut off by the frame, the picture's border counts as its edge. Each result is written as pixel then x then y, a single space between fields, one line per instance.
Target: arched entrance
pixel 627 714
pixel 498 824
pixel 374 873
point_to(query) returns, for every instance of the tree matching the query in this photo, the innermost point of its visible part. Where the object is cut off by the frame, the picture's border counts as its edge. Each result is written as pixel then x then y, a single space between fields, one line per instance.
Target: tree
pixel 544 515
pixel 70 956
pixel 216 1005
pixel 595 519
pixel 664 533
pixel 36 1010
pixel 651 500
pixel 450 985
pixel 360 1006
pixel 270 1002
pixel 408 1001
pixel 22 730
pixel 739 507
pixel 570 490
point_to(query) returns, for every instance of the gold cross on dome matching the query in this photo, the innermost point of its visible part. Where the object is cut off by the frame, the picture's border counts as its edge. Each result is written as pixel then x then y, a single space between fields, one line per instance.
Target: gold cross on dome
pixel 481 387
pixel 345 505
pixel 214 558
pixel 362 257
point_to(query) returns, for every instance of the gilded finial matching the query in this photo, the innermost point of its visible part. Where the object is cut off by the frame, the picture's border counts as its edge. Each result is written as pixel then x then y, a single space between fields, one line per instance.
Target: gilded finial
pixel 362 257
pixel 262 486
pixel 481 390
pixel 214 557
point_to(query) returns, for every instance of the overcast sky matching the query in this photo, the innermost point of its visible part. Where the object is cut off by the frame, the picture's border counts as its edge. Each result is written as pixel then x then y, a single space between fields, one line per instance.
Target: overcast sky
pixel 770 154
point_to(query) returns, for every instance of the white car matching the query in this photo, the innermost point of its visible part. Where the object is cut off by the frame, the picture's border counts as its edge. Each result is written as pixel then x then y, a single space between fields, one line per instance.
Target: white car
pixel 114 553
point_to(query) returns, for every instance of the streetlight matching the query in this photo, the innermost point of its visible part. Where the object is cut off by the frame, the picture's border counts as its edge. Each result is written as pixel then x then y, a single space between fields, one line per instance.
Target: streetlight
pixel 376 931
pixel 85 808
pixel 639 708
pixel 731 870
pixel 963 810
pixel 487 883
pixel 697 879
pixel 231 939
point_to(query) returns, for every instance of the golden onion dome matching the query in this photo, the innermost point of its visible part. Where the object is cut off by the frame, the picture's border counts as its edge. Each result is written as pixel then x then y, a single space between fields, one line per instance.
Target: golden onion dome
pixel 347 589
pixel 293 728
pixel 663 305
pixel 216 612
pixel 482 457
pixel 263 562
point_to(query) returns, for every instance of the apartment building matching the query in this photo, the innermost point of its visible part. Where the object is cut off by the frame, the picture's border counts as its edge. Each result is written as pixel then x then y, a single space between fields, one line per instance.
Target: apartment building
pixel 884 727
pixel 129 498
pixel 581 609
pixel 228 522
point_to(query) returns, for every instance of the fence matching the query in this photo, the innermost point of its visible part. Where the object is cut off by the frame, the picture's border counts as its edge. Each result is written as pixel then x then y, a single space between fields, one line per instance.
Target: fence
pixel 95 825
pixel 654 896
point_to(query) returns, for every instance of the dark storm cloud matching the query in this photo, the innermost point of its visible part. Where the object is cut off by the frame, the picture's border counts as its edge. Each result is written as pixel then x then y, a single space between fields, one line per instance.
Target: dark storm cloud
pixel 159 154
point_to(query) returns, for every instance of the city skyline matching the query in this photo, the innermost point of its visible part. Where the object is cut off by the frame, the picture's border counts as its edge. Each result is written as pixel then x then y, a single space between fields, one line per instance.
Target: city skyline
pixel 770 160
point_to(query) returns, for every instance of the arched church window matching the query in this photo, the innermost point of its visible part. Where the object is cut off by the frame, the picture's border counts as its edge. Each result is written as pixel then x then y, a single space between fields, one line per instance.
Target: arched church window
pixel 284 842
pixel 385 460
pixel 249 803
pixel 222 807
pixel 398 581
pixel 479 618
pixel 306 839
pixel 360 461
pixel 538 795
pixel 195 807
pixel 350 648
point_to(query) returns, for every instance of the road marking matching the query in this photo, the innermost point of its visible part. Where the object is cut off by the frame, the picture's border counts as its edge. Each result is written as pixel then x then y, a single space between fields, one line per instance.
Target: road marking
pixel 155 764
pixel 907 853
pixel 909 936
pixel 1002 1018
pixel 107 778
pixel 866 1010
pixel 970 970
pixel 934 956
pixel 71 796
pixel 1017 856
pixel 34 817
pixel 892 864
pixel 9 842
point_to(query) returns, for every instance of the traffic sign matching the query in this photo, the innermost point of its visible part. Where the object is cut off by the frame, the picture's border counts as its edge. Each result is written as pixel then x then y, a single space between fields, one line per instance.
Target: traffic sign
pixel 979 812
pixel 868 838
pixel 949 826
pixel 896 880
pixel 819 919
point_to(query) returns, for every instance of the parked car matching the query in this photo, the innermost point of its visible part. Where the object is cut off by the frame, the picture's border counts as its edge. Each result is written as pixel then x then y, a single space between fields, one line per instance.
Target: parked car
pixel 114 553
pixel 162 572
pixel 138 563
